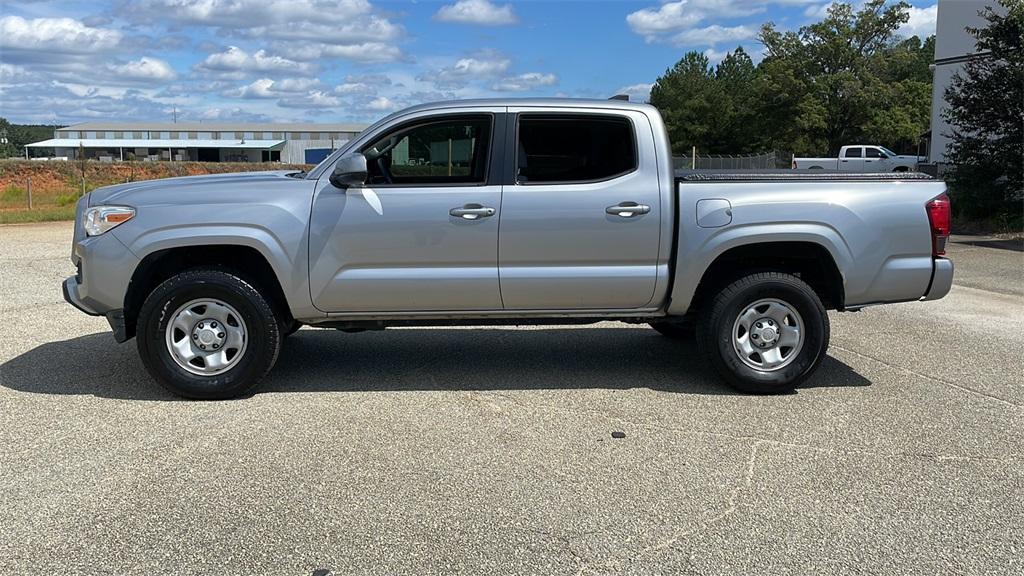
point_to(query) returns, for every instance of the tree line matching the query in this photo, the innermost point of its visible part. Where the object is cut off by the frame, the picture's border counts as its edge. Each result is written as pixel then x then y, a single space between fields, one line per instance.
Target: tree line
pixel 18 135
pixel 846 79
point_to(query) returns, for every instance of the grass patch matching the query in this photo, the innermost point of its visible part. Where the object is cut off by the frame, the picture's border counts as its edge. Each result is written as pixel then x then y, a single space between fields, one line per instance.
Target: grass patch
pixel 67 199
pixel 13 194
pixel 38 215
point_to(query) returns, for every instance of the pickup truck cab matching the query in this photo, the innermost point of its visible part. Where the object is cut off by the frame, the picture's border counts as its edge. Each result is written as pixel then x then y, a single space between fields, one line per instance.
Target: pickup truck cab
pixel 502 212
pixel 861 158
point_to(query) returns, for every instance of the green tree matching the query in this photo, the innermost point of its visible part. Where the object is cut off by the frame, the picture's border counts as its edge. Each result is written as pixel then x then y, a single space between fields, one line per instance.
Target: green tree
pixel 845 79
pixel 986 113
pixel 685 95
pixel 832 69
pixel 735 104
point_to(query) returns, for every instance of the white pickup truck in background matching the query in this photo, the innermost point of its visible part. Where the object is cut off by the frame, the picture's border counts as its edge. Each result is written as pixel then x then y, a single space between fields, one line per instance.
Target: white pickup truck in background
pixel 861 158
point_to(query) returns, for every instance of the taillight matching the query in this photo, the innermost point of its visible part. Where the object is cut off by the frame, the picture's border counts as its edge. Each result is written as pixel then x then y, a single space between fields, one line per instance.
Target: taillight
pixel 938 220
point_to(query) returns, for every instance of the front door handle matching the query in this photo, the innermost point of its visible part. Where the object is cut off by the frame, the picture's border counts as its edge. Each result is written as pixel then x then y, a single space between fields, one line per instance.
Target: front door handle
pixel 627 209
pixel 472 211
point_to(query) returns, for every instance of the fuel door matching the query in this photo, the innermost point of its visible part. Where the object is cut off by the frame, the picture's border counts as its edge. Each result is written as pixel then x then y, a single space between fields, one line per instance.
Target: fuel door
pixel 713 212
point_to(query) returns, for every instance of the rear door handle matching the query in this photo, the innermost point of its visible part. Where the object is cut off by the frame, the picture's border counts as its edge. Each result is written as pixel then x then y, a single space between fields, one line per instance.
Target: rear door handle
pixel 472 212
pixel 627 209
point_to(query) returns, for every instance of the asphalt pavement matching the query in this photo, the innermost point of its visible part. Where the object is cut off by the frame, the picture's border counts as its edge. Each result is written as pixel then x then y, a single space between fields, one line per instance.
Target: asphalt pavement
pixel 490 451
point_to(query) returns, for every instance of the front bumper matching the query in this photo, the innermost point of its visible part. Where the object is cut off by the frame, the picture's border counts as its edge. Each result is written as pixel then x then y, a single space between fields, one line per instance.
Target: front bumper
pixel 70 289
pixel 114 317
pixel 942 279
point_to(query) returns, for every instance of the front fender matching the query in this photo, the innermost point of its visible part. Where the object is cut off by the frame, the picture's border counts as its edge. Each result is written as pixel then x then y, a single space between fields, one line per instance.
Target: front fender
pixel 282 243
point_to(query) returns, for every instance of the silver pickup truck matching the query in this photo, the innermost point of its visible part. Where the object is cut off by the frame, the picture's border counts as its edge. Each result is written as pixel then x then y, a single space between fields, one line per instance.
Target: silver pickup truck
pixel 502 212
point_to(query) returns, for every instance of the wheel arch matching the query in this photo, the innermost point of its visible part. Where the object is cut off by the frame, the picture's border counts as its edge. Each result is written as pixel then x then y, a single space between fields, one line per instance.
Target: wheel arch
pixel 814 259
pixel 244 260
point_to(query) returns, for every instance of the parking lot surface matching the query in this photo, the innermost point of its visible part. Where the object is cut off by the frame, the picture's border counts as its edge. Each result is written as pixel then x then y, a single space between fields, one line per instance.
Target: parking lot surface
pixel 489 451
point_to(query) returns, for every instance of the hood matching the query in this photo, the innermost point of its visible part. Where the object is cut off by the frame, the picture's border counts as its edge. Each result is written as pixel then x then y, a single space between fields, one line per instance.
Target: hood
pixel 181 189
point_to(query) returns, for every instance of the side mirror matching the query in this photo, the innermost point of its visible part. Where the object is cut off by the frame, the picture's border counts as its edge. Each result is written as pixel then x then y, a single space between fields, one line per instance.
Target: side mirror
pixel 349 171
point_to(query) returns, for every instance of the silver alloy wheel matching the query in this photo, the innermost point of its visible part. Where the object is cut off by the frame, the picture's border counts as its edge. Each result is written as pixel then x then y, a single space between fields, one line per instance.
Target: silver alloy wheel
pixel 206 337
pixel 768 334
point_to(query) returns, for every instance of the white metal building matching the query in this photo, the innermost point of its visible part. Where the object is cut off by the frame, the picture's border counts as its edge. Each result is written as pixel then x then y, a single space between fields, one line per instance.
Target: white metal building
pixel 953 47
pixel 215 142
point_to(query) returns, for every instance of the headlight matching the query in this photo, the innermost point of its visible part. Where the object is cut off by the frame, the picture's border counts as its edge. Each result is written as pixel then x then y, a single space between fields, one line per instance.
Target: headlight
pixel 100 219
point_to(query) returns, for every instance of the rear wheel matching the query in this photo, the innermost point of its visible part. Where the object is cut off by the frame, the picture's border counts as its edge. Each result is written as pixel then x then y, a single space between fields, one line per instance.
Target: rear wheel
pixel 765 333
pixel 207 334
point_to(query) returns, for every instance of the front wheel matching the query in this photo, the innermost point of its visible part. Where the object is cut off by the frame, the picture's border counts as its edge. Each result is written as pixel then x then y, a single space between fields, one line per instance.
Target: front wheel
pixel 207 334
pixel 765 333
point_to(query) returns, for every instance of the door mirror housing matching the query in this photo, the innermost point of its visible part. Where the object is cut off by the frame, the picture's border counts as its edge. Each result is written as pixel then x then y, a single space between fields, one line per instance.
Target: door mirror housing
pixel 349 171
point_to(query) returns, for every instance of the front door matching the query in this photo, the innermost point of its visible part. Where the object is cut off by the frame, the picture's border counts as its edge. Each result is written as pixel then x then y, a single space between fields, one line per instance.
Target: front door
pixel 581 223
pixel 422 234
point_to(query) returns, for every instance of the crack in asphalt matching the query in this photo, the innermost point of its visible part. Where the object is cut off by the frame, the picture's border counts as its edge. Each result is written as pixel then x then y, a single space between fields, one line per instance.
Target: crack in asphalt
pixel 733 502
pixel 929 377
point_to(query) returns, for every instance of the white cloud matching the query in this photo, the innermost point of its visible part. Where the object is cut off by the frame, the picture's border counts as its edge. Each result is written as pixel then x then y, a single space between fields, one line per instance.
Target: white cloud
pixel 637 92
pixel 64 35
pixel 524 82
pixel 479 67
pixel 234 59
pixel 10 72
pixel 267 88
pixel 368 52
pixel 488 65
pixel 145 68
pixel 366 29
pixel 673 21
pixel 249 13
pixel 670 17
pixel 314 99
pixel 481 12
pixel 715 56
pixel 714 34
pixel 381 104
pixel 921 23
pixel 232 114
pixel 818 12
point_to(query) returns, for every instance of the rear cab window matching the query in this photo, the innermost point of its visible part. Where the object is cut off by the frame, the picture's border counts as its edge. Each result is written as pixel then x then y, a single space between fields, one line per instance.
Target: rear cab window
pixel 574 148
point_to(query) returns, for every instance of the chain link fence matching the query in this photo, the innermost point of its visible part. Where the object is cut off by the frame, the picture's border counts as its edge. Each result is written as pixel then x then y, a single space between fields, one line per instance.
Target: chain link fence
pixel 767 161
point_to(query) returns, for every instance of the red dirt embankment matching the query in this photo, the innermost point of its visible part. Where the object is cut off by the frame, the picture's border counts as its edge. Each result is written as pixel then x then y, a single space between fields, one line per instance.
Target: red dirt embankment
pixel 60 177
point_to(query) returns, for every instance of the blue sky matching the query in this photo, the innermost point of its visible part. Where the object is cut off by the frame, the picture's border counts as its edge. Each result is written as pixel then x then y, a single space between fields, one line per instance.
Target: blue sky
pixel 354 60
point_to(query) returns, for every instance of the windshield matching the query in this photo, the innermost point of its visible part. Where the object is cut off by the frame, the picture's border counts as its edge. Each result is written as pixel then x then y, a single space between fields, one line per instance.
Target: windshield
pixel 887 151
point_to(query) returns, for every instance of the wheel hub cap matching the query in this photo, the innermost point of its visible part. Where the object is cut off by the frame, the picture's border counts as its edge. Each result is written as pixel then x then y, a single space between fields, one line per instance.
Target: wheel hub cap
pixel 768 334
pixel 764 333
pixel 206 337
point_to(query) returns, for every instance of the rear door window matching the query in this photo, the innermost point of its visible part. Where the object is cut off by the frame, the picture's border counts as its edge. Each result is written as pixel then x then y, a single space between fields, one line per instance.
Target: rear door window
pixel 574 148
pixel 852 153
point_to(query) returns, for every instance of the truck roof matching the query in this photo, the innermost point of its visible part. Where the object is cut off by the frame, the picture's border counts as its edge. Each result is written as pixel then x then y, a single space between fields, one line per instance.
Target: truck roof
pixel 559 102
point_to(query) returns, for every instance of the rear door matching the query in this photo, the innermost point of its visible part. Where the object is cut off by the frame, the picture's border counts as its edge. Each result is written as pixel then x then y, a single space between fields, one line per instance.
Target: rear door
pixel 852 159
pixel 580 220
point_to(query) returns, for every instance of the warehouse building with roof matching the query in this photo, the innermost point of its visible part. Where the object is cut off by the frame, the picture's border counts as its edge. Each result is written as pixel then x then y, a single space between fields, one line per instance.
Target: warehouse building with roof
pixel 305 143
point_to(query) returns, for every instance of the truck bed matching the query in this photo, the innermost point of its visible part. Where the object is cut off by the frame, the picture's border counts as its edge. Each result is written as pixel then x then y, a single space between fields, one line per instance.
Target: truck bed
pixel 797 175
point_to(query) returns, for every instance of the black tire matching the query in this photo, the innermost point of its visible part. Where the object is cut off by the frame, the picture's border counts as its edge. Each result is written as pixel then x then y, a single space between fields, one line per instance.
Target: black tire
pixel 675 330
pixel 716 324
pixel 263 338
